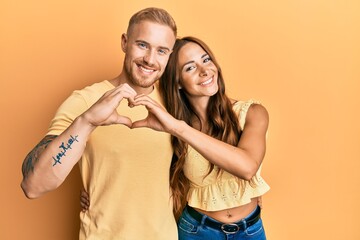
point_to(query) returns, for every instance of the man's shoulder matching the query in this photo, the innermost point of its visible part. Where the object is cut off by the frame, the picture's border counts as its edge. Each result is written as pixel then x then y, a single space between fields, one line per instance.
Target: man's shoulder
pixel 95 90
pixel 102 86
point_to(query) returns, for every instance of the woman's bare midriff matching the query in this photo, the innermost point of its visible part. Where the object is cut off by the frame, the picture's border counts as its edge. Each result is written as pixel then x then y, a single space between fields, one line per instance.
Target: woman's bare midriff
pixel 232 214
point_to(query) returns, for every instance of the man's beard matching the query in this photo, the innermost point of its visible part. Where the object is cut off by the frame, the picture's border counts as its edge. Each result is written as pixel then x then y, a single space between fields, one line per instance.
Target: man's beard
pixel 141 81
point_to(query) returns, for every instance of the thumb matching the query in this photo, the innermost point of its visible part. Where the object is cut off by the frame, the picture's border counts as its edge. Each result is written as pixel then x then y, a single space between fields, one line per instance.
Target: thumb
pixel 124 120
pixel 139 124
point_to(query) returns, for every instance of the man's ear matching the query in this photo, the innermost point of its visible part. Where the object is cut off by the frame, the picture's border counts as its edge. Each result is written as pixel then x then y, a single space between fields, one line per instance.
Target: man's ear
pixel 124 40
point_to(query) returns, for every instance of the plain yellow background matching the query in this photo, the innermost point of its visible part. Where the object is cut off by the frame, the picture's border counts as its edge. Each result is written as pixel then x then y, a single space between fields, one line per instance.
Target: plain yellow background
pixel 300 58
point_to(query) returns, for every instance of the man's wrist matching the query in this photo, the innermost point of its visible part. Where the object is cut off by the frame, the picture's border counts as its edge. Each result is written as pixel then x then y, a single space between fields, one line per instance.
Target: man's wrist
pixel 82 122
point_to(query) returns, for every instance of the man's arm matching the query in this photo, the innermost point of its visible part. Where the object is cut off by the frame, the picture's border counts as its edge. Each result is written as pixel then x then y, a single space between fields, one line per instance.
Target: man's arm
pixel 51 161
pixel 33 156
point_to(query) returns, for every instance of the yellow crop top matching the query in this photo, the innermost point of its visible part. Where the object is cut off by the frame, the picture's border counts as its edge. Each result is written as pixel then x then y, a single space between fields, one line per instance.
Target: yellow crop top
pixel 214 193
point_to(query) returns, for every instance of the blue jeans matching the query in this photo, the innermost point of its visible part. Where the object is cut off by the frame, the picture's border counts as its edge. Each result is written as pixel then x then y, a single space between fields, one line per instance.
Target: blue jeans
pixel 191 229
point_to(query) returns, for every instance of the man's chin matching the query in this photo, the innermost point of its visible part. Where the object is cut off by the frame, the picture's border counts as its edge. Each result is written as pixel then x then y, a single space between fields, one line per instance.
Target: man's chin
pixel 145 83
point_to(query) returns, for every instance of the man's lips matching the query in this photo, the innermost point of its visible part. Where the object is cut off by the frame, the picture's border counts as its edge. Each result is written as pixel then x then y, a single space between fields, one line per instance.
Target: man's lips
pixel 145 69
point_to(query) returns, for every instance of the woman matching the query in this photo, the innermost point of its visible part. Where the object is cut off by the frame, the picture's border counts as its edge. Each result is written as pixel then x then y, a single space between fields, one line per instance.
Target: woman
pixel 215 172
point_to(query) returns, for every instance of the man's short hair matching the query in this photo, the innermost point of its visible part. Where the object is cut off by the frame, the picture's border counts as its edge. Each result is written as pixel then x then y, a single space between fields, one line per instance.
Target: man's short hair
pixel 155 15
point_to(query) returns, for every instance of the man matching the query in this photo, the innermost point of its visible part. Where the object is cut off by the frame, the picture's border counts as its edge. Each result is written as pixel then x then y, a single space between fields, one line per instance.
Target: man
pixel 125 171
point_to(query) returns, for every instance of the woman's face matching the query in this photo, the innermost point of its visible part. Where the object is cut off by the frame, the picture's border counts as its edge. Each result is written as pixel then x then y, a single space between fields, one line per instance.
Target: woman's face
pixel 198 73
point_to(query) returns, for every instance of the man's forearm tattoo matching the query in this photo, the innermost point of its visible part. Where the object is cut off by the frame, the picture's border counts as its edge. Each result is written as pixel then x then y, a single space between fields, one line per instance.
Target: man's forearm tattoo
pixel 33 156
pixel 64 148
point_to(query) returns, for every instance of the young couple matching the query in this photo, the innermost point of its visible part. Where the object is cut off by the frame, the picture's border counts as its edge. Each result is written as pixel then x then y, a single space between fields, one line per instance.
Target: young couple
pixel 217 145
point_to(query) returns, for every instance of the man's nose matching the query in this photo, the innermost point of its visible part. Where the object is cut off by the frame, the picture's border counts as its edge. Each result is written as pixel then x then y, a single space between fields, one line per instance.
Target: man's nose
pixel 149 57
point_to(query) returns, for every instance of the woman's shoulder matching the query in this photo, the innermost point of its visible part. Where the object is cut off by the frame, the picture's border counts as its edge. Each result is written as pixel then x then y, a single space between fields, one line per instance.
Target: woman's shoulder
pixel 244 105
pixel 250 108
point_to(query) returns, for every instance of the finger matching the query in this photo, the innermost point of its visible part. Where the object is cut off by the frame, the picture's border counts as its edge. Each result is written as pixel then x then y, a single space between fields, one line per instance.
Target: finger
pixel 119 95
pixel 133 100
pixel 120 92
pixel 85 199
pixel 84 205
pixel 140 96
pixel 139 124
pixel 125 88
pixel 145 101
pixel 83 193
pixel 260 202
pixel 124 121
pixel 84 196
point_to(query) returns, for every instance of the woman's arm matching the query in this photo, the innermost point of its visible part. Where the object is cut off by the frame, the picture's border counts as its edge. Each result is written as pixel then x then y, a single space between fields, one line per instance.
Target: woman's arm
pixel 242 160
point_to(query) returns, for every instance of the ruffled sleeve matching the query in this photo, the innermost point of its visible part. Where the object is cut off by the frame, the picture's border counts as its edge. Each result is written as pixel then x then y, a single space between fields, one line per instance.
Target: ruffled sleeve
pixel 241 108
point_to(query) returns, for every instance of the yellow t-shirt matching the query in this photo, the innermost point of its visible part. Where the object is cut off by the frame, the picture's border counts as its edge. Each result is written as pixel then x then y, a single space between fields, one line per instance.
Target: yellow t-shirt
pixel 212 192
pixel 125 171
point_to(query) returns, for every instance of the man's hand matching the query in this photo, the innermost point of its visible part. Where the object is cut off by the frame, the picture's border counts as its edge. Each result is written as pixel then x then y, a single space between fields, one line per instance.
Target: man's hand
pixel 103 112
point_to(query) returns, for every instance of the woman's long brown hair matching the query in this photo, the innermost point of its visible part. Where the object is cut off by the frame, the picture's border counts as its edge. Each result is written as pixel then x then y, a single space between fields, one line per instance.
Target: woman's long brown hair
pixel 223 124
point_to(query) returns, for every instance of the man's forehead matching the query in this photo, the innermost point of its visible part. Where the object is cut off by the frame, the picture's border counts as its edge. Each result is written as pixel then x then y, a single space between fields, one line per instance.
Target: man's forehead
pixel 153 33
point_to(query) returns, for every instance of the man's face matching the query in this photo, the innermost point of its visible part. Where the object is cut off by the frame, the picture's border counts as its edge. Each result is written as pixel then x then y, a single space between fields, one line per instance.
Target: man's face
pixel 147 48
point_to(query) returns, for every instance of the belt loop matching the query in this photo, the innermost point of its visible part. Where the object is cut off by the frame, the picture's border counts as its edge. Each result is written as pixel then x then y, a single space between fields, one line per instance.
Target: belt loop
pixel 243 221
pixel 203 219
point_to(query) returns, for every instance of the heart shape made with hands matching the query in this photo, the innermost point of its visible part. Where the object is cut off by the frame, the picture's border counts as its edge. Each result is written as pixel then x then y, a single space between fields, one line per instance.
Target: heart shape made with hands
pixel 136 110
pixel 156 118
pixel 144 118
pixel 109 110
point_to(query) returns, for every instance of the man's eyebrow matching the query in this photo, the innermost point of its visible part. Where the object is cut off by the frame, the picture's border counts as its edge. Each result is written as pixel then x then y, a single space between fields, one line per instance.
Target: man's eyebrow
pixel 165 48
pixel 142 41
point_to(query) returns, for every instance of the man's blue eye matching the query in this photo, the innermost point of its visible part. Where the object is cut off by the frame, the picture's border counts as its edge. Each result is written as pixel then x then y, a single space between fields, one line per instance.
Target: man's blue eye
pixel 164 52
pixel 142 45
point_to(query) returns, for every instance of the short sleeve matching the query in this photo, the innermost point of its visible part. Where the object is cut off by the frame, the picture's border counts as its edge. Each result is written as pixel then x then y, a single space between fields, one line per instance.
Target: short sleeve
pixel 242 110
pixel 71 108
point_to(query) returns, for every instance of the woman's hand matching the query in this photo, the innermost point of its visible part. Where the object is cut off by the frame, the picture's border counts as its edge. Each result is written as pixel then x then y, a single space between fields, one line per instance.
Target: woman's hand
pixel 158 118
pixel 84 200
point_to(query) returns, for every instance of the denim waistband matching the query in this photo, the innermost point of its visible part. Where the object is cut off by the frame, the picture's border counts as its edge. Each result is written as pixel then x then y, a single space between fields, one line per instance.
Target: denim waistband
pixel 228 228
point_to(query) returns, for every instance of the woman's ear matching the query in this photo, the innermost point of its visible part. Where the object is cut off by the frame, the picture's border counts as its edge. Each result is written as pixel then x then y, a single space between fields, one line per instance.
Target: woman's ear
pixel 124 40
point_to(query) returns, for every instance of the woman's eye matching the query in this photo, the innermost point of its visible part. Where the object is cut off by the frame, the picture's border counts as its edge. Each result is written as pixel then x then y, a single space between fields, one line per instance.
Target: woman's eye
pixel 208 59
pixel 189 68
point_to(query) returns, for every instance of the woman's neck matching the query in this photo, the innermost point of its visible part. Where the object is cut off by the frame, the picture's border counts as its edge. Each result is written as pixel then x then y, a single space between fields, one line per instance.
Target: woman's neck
pixel 200 121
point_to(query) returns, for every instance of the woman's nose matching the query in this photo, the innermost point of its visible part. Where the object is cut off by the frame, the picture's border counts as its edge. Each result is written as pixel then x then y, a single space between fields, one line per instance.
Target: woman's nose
pixel 203 72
